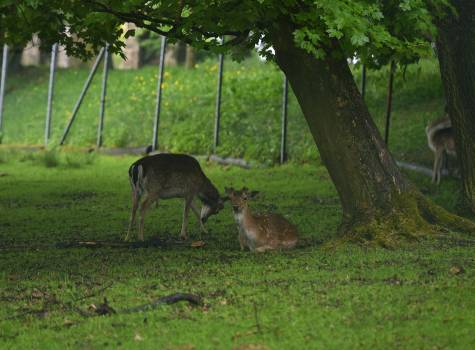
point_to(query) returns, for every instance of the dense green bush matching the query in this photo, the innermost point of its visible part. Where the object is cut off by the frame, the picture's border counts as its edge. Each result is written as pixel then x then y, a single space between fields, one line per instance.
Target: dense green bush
pixel 251 109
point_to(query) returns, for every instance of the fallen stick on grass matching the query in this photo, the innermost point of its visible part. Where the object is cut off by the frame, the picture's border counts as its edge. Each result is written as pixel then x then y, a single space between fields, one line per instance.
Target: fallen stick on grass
pixel 106 309
pixel 229 161
pixel 422 169
pixel 193 299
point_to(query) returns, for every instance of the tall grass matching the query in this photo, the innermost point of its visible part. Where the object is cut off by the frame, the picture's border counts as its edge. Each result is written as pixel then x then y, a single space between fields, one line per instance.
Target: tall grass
pixel 251 109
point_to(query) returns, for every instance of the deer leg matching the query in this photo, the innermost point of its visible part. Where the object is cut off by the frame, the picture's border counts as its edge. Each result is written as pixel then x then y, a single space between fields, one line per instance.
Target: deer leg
pixel 184 224
pixel 242 240
pixel 143 209
pixel 437 167
pixel 434 168
pixel 135 205
pixel 445 164
pixel 441 163
pixel 196 211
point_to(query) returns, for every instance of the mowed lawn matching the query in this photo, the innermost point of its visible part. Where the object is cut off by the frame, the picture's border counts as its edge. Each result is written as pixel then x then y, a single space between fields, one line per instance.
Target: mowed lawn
pixel 421 296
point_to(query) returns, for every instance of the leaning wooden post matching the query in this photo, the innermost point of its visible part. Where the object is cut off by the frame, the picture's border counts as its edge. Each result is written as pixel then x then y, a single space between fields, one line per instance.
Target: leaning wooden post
pixel 389 101
pixel 283 140
pixel 159 94
pixel 81 96
pixel 363 81
pixel 49 110
pixel 2 83
pixel 105 73
pixel 217 112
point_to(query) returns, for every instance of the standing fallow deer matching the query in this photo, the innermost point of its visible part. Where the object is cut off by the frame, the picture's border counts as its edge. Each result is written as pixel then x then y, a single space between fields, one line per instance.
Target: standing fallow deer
pixel 260 232
pixel 163 176
pixel 441 140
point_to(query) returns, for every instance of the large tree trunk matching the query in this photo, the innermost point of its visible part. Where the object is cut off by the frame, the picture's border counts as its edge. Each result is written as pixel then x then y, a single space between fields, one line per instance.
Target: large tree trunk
pixel 190 57
pixel 456 51
pixel 378 203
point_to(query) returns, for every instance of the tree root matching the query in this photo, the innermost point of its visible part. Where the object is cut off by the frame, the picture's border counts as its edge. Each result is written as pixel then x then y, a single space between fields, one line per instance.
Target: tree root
pixel 442 217
pixel 412 218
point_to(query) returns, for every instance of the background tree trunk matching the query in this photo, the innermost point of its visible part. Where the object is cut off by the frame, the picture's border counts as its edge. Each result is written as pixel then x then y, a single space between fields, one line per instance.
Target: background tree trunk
pixel 456 51
pixel 190 57
pixel 180 53
pixel 378 202
pixel 14 59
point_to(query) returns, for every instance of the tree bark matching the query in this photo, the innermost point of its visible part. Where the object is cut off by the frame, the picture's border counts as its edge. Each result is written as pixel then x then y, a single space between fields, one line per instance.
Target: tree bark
pixel 456 52
pixel 180 53
pixel 190 57
pixel 378 202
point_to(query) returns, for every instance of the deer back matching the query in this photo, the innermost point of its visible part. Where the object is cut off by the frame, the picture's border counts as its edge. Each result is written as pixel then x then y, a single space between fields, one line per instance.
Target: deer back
pixel 275 229
pixel 266 231
pixel 173 175
pixel 436 131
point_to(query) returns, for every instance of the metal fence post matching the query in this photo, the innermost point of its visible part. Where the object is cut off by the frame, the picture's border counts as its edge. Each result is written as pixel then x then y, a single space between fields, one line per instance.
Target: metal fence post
pixel 363 81
pixel 389 101
pixel 217 113
pixel 105 73
pixel 81 96
pixel 52 69
pixel 159 93
pixel 283 140
pixel 2 82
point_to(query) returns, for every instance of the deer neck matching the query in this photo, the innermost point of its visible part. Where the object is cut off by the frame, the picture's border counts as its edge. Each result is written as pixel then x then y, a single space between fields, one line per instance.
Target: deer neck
pixel 209 195
pixel 245 220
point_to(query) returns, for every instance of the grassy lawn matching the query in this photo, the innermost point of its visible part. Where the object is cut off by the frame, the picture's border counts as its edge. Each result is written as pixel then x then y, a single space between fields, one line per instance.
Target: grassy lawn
pixel 420 296
pixel 416 297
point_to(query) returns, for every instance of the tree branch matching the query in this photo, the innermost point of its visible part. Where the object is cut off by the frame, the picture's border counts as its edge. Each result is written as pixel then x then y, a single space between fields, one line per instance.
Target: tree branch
pixel 140 19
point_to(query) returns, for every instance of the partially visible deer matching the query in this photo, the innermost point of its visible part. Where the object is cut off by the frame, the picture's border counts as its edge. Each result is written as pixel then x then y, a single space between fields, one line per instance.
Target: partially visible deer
pixel 441 140
pixel 163 176
pixel 260 232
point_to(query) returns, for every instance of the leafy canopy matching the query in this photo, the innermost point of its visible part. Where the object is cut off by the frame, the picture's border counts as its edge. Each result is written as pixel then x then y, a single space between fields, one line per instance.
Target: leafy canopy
pixel 374 30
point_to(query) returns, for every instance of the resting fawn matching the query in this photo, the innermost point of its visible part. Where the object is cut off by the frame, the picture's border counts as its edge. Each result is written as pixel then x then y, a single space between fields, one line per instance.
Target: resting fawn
pixel 163 176
pixel 440 138
pixel 260 232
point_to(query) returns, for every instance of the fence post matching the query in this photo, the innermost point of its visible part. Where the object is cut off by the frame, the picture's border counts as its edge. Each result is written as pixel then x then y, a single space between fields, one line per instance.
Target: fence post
pixel 49 110
pixel 81 96
pixel 363 81
pixel 159 93
pixel 389 101
pixel 217 112
pixel 100 126
pixel 2 83
pixel 283 141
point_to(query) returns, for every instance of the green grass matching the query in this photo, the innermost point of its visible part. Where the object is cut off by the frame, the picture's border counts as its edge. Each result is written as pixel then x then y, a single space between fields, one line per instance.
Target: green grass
pixel 311 297
pixel 250 124
pixel 352 298
pixel 251 109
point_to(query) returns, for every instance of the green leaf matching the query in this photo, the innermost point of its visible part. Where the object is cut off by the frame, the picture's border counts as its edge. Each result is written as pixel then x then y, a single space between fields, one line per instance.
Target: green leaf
pixel 359 39
pixel 129 33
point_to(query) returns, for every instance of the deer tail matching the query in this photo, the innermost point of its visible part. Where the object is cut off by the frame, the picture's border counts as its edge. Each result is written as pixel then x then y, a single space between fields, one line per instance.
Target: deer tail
pixel 434 127
pixel 136 178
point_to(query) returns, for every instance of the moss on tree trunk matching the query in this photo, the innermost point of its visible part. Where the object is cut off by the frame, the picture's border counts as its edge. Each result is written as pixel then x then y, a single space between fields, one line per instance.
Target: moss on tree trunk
pixel 456 51
pixel 379 204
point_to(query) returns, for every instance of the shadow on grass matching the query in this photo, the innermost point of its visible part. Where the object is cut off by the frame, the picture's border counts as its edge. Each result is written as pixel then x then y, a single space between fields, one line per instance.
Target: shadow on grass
pixel 154 242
